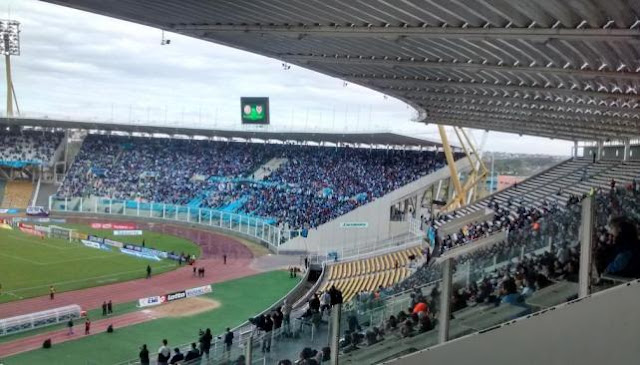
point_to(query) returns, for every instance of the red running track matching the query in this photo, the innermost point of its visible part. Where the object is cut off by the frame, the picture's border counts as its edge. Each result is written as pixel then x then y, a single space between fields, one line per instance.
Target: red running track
pixel 58 336
pixel 213 246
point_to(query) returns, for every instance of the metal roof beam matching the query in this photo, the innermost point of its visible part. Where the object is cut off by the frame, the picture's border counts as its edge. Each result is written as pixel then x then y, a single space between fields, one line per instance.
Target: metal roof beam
pixel 508 126
pixel 464 98
pixel 394 63
pixel 553 124
pixel 371 80
pixel 518 110
pixel 537 34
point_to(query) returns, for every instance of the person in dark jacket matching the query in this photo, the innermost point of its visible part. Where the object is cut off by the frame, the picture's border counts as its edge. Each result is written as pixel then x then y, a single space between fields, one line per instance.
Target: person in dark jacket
pixel 268 327
pixel 205 342
pixel 193 353
pixel 144 355
pixel 624 254
pixel 228 339
pixel 177 357
pixel 314 303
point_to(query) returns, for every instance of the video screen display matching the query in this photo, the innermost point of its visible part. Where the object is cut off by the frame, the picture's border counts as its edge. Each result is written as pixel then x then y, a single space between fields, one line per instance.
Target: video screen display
pixel 254 110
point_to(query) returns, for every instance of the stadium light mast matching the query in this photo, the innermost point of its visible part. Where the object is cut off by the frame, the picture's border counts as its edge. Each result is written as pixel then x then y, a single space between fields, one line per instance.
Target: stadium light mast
pixel 10 46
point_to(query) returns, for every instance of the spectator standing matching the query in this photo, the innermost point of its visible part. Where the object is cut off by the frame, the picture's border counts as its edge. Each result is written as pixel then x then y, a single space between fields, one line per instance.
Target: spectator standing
pixel 228 340
pixel 267 327
pixel 205 342
pixel 144 355
pixel 164 353
pixel 286 316
pixel 70 327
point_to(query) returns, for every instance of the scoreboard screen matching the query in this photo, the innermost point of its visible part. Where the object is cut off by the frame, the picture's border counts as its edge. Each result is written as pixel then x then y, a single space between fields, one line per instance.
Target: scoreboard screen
pixel 254 110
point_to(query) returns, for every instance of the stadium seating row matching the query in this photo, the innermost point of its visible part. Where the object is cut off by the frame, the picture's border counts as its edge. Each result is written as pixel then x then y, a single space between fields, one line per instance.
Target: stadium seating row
pixel 27 147
pixel 537 195
pixel 352 277
pixel 17 194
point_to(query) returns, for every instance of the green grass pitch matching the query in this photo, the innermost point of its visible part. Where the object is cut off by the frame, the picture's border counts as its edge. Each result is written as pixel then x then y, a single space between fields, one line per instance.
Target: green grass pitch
pixel 239 299
pixel 29 264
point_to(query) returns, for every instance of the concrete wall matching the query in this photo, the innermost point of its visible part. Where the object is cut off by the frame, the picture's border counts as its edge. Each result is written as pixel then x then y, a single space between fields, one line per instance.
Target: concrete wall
pixel 331 236
pixel 601 329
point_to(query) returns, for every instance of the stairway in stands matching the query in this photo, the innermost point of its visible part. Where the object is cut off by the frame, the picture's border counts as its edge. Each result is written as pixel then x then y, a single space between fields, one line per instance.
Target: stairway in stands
pixel 266 169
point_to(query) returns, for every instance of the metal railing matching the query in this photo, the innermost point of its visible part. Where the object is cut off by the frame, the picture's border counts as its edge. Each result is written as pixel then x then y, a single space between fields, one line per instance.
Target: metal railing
pixel 253 227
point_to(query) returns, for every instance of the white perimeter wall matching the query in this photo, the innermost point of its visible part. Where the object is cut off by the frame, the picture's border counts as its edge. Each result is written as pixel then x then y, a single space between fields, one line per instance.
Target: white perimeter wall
pixel 602 330
pixel 331 236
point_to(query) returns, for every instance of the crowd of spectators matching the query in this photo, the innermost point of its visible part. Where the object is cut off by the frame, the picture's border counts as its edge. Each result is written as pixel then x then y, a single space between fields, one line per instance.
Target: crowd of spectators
pixel 318 184
pixel 172 171
pixel 312 186
pixel 530 266
pixel 27 146
pixel 510 218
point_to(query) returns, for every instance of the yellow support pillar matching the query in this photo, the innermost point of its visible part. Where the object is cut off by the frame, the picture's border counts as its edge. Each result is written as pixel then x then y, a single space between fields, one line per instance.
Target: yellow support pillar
pixel 452 166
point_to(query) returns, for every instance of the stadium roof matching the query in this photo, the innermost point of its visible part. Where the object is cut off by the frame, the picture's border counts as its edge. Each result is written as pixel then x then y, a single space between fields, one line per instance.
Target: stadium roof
pixel 551 68
pixel 378 138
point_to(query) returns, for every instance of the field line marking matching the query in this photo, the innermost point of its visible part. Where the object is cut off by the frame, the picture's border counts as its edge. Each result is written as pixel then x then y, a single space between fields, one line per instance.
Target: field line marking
pixel 21 259
pixel 36 242
pixel 81 259
pixel 83 280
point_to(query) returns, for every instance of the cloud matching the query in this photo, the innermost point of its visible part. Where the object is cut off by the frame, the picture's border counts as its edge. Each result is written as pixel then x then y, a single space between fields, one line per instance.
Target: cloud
pixel 80 65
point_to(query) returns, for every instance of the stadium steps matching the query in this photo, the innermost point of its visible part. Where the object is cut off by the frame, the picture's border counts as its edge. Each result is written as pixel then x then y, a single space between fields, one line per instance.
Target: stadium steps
pixel 46 190
pixel 195 202
pixel 235 205
pixel 17 194
pixel 266 169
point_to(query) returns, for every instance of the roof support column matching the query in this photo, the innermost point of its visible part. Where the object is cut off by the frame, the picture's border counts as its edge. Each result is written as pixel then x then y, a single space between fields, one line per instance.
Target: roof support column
pixel 599 151
pixel 445 300
pixel 586 243
pixel 575 149
pixel 627 149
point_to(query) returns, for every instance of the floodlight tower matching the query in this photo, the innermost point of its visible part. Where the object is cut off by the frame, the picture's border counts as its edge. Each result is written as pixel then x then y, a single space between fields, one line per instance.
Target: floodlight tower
pixel 10 46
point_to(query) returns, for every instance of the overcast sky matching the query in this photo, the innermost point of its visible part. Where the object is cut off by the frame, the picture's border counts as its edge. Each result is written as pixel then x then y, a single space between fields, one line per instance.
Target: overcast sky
pixel 83 66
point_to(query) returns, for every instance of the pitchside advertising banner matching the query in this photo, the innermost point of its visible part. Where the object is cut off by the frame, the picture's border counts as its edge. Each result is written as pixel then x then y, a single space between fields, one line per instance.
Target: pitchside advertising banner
pixel 97 245
pixel 142 255
pixel 29 229
pixel 105 241
pixel 59 232
pixel 133 232
pixel 39 220
pixel 160 299
pixel 120 226
pixel 135 250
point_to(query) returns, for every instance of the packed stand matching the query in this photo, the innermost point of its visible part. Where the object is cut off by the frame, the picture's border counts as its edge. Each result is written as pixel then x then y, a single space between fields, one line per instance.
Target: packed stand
pixel 318 184
pixel 172 171
pixel 312 186
pixel 28 147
